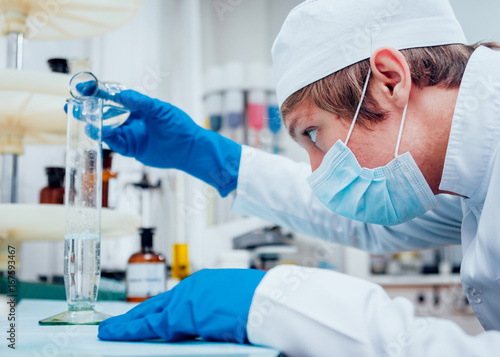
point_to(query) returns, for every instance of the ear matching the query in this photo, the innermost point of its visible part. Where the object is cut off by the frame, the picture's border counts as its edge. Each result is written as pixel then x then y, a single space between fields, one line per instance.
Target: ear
pixel 391 76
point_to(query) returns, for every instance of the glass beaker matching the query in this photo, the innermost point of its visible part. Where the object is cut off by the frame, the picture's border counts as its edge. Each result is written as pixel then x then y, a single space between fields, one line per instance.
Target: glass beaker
pixel 85 84
pixel 82 235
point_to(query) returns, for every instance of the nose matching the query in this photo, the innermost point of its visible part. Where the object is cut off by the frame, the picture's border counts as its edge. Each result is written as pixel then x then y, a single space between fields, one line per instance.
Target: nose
pixel 315 158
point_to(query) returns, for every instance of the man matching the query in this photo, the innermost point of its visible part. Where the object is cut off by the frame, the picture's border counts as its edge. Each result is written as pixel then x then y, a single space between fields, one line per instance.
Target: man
pixel 401 120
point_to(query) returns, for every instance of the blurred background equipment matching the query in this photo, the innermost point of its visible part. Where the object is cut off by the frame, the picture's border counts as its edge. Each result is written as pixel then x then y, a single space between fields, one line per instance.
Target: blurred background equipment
pixel 268 247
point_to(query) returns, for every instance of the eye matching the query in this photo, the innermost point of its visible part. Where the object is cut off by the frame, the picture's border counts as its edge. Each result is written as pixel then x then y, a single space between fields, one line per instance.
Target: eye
pixel 312 133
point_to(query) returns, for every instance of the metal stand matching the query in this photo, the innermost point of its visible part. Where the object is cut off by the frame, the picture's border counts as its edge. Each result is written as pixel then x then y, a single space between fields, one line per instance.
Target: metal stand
pixel 9 172
pixel 8 166
pixel 15 50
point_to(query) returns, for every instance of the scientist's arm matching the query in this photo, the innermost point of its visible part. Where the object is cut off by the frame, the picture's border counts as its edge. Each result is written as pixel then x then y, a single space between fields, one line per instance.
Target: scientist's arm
pixel 314 312
pixel 300 311
pixel 161 135
pixel 274 188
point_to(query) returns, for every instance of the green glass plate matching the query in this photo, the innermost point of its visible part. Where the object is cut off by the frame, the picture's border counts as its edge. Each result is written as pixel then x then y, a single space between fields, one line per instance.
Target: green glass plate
pixel 79 317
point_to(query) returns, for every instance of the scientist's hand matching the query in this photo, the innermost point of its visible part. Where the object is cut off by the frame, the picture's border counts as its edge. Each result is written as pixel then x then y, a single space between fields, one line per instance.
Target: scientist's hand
pixel 212 304
pixel 161 135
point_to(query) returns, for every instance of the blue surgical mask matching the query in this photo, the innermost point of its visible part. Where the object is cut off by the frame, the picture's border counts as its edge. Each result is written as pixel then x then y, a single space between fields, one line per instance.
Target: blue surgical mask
pixel 387 195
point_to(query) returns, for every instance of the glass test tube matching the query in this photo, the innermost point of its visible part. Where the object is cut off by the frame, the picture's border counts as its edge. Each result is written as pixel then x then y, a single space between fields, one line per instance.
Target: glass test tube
pixel 233 105
pixel 273 112
pixel 214 107
pixel 256 111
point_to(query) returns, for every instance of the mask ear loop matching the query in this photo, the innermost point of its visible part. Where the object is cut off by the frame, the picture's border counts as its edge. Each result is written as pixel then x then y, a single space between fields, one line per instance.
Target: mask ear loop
pixel 359 105
pixel 401 131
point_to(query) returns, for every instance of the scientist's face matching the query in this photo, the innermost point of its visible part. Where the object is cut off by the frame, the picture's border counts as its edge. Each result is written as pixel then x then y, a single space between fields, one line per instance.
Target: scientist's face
pixel 425 133
pixel 372 145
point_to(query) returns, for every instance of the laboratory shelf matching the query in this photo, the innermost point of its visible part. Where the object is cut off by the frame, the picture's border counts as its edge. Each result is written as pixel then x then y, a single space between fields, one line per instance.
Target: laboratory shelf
pixel 31 222
pixel 68 19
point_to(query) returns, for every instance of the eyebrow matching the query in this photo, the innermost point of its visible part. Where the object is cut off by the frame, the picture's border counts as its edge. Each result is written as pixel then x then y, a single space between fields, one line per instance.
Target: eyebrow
pixel 292 129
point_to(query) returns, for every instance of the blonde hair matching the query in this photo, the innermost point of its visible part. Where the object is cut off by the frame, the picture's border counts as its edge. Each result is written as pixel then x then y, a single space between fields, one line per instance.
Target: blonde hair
pixel 340 92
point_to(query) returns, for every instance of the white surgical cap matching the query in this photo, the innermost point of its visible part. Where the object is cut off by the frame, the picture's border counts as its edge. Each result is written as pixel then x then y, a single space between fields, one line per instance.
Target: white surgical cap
pixel 321 37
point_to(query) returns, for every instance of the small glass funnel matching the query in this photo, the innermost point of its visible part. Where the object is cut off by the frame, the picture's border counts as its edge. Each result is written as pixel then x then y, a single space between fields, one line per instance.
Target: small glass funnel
pixel 85 84
pixel 82 239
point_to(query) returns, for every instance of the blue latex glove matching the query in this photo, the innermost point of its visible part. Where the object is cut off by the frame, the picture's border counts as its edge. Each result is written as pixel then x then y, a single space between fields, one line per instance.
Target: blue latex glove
pixel 161 135
pixel 212 304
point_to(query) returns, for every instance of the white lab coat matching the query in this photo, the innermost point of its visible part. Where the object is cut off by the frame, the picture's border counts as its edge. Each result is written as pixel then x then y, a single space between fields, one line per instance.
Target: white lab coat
pixel 312 312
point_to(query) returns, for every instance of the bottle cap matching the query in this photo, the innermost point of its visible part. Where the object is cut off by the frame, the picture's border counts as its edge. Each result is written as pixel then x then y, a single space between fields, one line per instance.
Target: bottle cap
pixel 59 65
pixel 147 237
pixel 55 176
pixel 107 159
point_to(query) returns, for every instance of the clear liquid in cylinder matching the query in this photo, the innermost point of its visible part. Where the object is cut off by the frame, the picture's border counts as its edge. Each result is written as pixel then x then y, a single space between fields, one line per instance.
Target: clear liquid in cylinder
pixel 82 267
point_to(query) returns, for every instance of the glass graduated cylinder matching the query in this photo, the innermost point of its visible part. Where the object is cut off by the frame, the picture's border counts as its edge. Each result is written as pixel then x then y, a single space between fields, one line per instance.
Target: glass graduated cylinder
pixel 85 84
pixel 82 201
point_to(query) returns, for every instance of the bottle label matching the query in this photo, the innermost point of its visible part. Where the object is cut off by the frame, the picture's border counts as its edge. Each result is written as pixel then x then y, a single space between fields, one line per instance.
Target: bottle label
pixel 146 279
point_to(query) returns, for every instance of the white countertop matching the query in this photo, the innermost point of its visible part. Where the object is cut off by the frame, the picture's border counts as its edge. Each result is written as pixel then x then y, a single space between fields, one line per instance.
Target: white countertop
pixel 79 341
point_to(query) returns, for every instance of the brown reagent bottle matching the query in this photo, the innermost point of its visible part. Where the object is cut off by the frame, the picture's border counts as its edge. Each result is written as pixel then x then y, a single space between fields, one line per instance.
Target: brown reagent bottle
pixel 146 270
pixel 107 174
pixel 53 193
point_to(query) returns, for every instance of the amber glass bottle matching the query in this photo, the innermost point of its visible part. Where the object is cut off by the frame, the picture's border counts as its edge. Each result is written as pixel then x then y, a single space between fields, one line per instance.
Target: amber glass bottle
pixel 107 174
pixel 146 270
pixel 53 193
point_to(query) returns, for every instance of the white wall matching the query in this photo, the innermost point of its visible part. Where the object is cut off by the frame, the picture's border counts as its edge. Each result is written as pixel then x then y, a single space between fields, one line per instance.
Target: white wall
pixel 243 32
pixel 479 19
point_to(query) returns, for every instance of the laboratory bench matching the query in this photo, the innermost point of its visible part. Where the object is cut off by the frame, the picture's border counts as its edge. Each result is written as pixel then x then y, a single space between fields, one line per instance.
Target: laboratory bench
pixel 34 340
